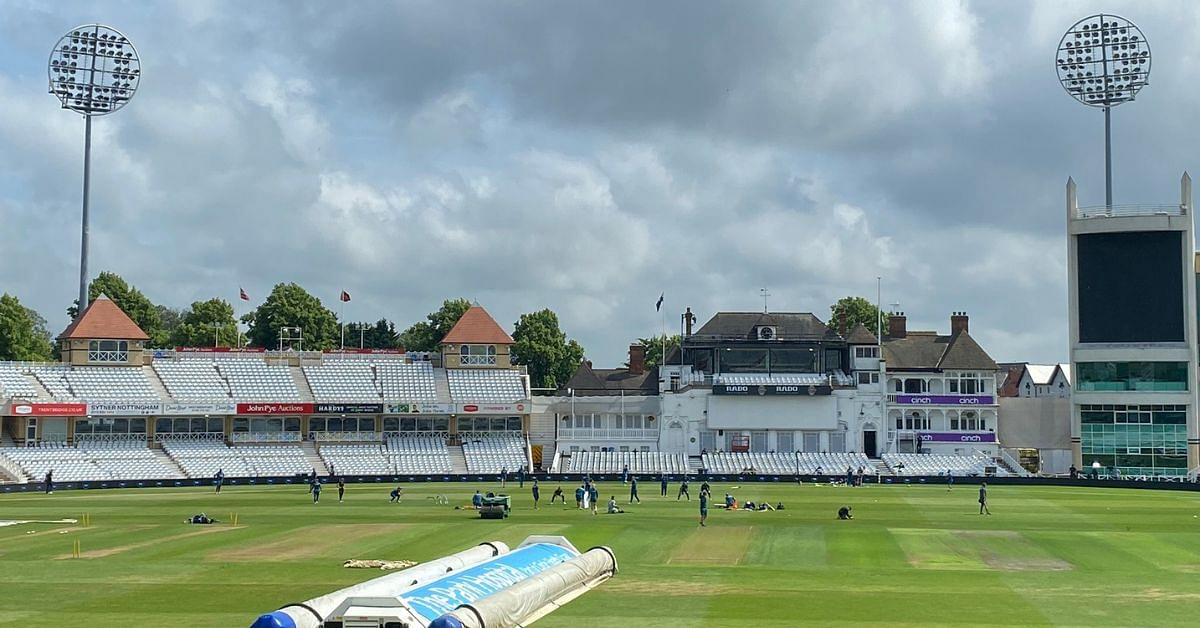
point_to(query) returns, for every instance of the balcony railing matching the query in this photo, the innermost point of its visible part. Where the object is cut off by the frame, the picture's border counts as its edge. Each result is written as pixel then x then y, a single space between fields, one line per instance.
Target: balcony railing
pixel 1117 211
pixel 477 360
pixel 585 433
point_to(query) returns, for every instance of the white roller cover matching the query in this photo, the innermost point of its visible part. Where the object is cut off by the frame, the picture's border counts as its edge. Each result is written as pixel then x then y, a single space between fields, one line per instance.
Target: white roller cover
pixel 531 599
pixel 392 585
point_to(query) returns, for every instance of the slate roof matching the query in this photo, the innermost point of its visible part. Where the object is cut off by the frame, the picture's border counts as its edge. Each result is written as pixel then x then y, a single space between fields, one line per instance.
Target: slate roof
pixel 103 320
pixel 861 336
pixel 928 350
pixel 788 325
pixel 588 381
pixel 477 327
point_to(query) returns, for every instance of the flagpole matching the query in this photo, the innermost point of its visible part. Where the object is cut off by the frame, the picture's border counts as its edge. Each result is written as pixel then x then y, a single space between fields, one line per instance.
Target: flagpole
pixel 342 315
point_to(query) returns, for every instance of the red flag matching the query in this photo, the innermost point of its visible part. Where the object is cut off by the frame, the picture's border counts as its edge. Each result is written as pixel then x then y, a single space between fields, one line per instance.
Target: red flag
pixel 242 294
pixel 345 296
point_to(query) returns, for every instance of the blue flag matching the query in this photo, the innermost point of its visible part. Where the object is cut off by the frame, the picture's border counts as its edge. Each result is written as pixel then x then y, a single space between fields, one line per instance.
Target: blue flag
pixel 658 306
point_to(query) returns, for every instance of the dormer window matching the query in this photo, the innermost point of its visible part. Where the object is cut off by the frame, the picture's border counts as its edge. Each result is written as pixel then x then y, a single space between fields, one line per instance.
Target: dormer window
pixel 766 332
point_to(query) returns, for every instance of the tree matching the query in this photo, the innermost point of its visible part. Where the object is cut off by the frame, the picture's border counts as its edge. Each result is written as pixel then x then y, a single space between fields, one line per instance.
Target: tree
pixel 128 298
pixel 545 350
pixel 289 305
pixel 850 311
pixel 426 335
pixel 206 323
pixel 380 335
pixel 654 348
pixel 23 334
pixel 170 319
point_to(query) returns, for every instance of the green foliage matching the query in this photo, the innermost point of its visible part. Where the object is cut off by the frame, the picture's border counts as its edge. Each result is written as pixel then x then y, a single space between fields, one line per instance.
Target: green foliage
pixel 207 323
pixel 850 311
pixel 654 348
pixel 129 299
pixel 23 334
pixel 380 335
pixel 171 318
pixel 289 305
pixel 544 349
pixel 427 335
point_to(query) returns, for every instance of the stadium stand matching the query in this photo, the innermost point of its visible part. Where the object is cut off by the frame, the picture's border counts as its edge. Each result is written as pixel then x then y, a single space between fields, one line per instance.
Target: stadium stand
pixel 652 462
pixel 203 458
pixel 14 384
pixel 356 458
pixel 191 380
pixel 491 454
pixel 933 464
pixel 90 461
pixel 255 380
pixel 109 384
pixel 418 454
pixel 126 460
pixel 337 380
pixel 407 382
pixel 785 463
pixel 53 378
pixel 486 386
pixel 273 460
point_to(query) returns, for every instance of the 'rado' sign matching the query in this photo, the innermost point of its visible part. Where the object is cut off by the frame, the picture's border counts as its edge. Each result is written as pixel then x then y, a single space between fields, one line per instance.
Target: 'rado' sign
pixel 766 390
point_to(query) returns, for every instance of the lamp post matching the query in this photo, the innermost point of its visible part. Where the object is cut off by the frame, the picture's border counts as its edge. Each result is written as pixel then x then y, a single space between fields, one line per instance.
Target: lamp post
pixel 93 70
pixel 1103 61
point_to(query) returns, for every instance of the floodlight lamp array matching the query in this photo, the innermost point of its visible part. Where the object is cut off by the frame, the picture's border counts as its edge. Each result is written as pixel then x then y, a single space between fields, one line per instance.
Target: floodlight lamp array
pixel 1103 60
pixel 94 70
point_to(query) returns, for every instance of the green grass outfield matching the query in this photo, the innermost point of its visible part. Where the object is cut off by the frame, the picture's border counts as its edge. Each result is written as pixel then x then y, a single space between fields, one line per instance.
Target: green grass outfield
pixel 914 555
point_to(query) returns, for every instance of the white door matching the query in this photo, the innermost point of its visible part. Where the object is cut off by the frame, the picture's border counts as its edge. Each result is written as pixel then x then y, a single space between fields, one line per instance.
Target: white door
pixel 675 438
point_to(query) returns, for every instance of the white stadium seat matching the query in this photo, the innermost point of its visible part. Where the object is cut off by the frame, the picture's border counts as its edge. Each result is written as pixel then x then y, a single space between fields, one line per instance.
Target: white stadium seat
pixel 491 454
pixel 486 385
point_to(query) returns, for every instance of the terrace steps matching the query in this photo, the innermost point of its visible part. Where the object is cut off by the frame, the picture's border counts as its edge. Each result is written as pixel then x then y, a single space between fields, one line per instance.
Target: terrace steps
pixel 458 460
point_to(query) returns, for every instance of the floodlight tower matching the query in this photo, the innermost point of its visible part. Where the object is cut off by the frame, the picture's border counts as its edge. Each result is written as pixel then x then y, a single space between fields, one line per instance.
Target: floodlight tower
pixel 1103 61
pixel 94 70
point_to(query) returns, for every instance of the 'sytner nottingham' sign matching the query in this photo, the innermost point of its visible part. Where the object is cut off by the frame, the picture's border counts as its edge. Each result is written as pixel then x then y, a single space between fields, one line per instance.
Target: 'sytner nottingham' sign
pixel 751 390
pixel 945 400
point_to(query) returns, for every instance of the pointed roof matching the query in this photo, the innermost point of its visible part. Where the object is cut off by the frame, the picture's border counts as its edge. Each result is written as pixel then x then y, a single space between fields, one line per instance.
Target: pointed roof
pixel 928 350
pixel 593 382
pixel 477 327
pixel 102 319
pixel 860 336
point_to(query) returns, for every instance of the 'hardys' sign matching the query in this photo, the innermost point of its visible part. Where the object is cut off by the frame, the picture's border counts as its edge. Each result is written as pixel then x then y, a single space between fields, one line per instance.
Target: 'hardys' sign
pixel 791 390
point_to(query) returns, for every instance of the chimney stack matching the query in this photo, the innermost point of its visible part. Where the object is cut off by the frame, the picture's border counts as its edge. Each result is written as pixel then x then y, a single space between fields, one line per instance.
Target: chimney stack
pixel 897 325
pixel 958 322
pixel 637 359
pixel 688 319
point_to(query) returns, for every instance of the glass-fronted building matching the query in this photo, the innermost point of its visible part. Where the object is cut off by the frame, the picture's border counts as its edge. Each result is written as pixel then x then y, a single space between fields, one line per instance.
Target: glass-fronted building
pixel 1132 297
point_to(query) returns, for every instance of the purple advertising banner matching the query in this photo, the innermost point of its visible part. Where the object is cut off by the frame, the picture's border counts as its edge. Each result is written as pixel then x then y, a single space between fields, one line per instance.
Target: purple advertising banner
pixel 944 400
pixel 958 437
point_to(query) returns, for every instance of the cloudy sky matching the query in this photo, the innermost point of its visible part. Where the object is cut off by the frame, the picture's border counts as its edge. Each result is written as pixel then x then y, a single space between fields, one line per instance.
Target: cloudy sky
pixel 586 156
